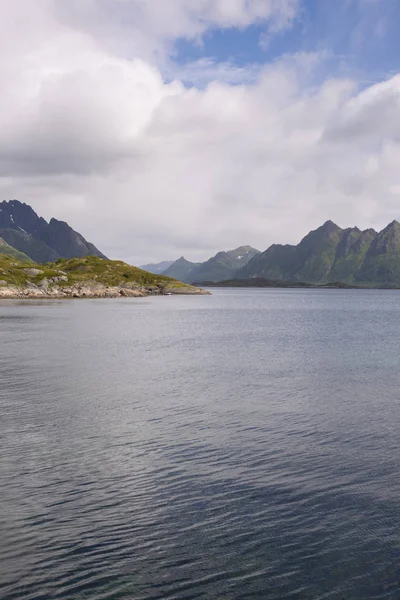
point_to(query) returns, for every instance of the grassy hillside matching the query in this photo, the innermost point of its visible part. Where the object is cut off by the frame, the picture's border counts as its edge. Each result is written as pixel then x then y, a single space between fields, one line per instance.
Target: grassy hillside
pixel 75 271
pixel 7 250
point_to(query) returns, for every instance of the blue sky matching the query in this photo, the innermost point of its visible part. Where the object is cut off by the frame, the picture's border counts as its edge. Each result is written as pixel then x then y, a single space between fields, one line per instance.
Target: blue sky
pixel 360 39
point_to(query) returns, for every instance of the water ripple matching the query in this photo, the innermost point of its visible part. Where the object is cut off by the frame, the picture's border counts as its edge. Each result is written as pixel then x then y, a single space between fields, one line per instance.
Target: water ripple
pixel 234 449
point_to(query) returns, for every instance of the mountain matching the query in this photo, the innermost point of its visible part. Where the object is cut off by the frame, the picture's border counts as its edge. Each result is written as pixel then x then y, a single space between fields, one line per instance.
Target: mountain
pixel 382 259
pixel 6 250
pixel 181 269
pixel 157 268
pixel 331 254
pixel 23 229
pixel 35 249
pixel 223 265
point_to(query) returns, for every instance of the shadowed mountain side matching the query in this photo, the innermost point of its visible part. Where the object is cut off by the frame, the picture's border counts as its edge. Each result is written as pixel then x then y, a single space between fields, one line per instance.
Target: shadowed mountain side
pixel 32 247
pixel 23 229
pixel 7 250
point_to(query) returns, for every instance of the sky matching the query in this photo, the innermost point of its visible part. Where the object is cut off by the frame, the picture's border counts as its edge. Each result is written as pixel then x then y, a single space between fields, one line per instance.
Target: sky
pixel 162 128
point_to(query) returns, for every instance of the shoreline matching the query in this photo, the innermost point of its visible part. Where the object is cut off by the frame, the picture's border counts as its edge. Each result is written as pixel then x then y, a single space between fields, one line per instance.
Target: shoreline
pixel 94 290
pixel 268 284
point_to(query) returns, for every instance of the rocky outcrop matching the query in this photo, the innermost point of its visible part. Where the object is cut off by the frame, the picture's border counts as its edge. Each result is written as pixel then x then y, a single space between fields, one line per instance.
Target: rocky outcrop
pixel 51 289
pixel 33 272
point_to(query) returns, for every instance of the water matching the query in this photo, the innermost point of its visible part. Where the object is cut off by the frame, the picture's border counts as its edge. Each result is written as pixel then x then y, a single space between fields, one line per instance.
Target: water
pixel 238 446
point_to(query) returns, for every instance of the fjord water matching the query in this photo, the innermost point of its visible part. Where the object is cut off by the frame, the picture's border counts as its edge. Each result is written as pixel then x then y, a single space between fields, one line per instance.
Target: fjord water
pixel 238 446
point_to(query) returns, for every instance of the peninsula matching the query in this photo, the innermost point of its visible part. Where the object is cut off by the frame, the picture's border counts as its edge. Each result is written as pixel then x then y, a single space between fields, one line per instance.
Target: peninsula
pixel 86 277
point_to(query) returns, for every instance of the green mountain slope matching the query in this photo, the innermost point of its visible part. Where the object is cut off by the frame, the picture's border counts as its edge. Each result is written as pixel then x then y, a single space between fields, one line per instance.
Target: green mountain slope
pixel 7 250
pixel 223 265
pixel 331 254
pixel 181 269
pixel 382 259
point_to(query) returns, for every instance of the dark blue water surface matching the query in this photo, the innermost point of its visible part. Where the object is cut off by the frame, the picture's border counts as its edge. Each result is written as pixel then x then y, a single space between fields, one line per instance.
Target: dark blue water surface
pixel 237 446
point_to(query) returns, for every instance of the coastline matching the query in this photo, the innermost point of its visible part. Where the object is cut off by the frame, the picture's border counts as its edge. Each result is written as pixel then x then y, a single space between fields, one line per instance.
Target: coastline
pixel 259 283
pixel 94 290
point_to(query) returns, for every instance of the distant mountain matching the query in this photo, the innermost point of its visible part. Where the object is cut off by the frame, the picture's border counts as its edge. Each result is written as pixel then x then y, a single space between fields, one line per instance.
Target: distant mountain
pixel 331 254
pixel 23 229
pixel 223 265
pixel 157 268
pixel 7 250
pixel 181 269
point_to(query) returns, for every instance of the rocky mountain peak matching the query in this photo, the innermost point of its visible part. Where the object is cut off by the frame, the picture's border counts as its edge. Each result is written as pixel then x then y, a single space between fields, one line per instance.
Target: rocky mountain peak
pixel 23 229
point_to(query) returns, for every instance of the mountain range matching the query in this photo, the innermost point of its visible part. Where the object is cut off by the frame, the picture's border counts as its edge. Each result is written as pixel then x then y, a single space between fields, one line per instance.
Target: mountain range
pixel 22 229
pixel 332 254
pixel 326 255
pixel 223 265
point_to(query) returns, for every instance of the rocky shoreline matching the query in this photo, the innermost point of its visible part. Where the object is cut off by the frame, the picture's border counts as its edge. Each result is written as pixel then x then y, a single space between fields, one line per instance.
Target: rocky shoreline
pixel 87 277
pixel 91 290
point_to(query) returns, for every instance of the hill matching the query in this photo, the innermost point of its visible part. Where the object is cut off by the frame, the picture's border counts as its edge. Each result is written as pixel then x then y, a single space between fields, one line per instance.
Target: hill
pixel 181 269
pixel 331 254
pixel 78 277
pixel 42 241
pixel 223 265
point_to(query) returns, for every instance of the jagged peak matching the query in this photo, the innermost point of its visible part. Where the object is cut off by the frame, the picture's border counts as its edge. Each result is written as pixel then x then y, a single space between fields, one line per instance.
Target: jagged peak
pixel 54 220
pixel 392 225
pixel 353 229
pixel 329 226
pixel 246 248
pixel 14 203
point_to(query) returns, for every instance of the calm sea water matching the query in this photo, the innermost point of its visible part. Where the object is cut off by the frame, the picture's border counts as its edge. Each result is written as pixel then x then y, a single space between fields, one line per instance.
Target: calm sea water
pixel 239 446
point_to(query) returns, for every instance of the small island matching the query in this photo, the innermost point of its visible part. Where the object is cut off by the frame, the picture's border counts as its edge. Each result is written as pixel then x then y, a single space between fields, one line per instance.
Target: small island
pixel 87 277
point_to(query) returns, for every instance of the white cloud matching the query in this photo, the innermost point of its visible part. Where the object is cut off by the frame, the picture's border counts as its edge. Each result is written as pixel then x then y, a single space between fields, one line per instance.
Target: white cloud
pixel 92 134
pixel 149 27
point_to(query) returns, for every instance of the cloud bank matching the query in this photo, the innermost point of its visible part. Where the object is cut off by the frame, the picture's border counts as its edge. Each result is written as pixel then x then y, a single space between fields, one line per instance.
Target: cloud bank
pixel 148 169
